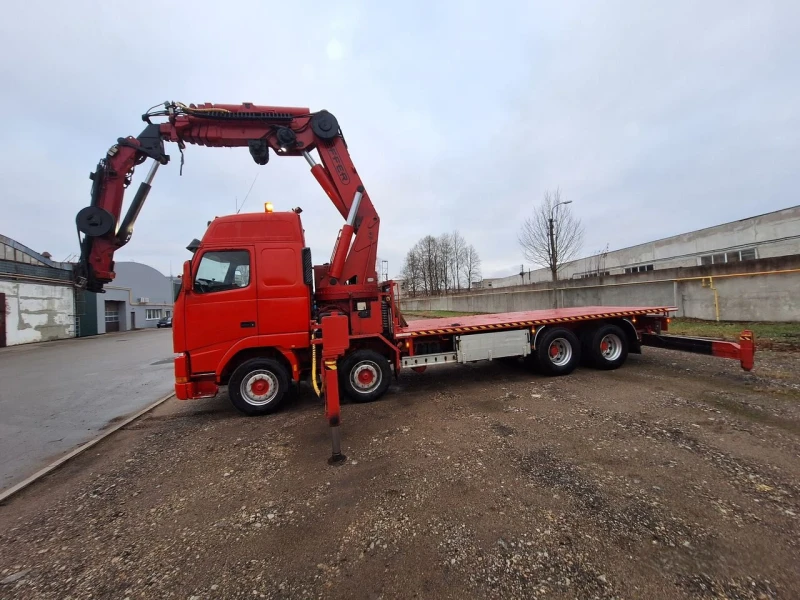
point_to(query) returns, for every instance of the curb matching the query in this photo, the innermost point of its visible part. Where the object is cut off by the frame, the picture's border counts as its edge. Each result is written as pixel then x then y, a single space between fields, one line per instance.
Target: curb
pixel 6 494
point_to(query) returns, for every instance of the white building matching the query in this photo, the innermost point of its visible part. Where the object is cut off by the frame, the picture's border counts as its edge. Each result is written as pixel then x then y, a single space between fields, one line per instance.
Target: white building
pixel 37 300
pixel 768 235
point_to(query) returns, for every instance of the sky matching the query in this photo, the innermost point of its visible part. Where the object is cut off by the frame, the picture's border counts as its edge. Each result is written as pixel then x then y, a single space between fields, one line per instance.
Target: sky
pixel 654 118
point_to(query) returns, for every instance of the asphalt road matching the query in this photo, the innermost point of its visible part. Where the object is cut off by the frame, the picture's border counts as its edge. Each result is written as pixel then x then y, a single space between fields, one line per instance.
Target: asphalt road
pixel 57 395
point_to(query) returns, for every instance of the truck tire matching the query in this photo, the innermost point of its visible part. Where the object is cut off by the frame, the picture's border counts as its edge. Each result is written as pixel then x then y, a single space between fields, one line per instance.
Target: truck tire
pixel 258 386
pixel 364 375
pixel 558 351
pixel 605 347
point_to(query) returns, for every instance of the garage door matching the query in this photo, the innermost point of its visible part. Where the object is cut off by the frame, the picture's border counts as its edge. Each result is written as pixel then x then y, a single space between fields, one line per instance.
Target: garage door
pixel 112 316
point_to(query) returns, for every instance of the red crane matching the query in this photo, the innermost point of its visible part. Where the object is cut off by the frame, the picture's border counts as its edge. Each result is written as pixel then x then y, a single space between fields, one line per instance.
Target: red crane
pixel 285 131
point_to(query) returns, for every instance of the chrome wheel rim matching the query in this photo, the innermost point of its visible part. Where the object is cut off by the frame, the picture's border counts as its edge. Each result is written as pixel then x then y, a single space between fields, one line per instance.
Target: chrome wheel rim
pixel 259 388
pixel 365 377
pixel 611 347
pixel 560 352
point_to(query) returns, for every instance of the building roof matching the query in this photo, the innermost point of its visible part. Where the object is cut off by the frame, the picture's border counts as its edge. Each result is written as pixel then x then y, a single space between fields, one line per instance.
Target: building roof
pixel 39 259
pixel 17 261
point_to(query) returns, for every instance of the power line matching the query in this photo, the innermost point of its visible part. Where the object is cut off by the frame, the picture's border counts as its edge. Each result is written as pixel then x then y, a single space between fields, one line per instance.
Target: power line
pixel 239 208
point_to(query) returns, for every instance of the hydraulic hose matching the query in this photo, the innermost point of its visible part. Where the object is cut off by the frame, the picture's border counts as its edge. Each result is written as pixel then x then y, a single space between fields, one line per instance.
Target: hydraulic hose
pixel 314 369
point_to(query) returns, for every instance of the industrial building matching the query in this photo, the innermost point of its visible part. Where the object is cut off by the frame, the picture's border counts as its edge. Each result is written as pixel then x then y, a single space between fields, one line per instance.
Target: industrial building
pixel 137 298
pixel 37 300
pixel 769 235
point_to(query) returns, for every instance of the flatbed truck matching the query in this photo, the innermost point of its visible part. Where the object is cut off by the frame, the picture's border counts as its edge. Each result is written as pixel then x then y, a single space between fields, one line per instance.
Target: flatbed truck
pixel 254 315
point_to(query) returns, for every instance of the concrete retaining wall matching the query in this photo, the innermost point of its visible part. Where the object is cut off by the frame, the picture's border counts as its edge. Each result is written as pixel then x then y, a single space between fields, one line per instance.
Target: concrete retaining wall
pixel 37 312
pixel 762 290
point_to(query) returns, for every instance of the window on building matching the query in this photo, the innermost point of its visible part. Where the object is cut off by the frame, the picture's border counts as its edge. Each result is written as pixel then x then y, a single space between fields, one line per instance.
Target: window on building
pixel 112 314
pixel 152 314
pixel 223 270
pixel 749 254
pixel 639 269
pixel 728 257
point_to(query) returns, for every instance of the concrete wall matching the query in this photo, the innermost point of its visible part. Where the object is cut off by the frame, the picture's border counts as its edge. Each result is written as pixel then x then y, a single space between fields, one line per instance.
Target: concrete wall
pixel 37 312
pixel 761 290
pixel 771 235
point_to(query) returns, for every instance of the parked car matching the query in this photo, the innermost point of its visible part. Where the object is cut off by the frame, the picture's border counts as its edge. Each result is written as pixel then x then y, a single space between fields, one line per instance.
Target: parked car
pixel 164 322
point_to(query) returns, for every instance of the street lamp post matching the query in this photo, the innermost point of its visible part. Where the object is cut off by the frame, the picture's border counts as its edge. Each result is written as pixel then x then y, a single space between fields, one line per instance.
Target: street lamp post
pixel 553 251
pixel 553 255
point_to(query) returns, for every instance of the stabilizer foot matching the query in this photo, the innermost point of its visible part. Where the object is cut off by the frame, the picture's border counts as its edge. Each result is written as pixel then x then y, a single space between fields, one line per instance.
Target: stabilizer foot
pixel 337 459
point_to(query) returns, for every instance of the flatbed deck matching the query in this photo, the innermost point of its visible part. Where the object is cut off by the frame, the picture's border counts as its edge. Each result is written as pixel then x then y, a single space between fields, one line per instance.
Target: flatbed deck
pixel 529 318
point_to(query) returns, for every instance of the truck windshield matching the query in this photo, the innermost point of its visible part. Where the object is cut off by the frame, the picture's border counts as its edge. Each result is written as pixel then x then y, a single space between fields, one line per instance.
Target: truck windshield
pixel 222 270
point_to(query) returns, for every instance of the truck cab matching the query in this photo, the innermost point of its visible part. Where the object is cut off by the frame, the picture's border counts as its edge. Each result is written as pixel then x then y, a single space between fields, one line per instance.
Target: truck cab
pixel 247 287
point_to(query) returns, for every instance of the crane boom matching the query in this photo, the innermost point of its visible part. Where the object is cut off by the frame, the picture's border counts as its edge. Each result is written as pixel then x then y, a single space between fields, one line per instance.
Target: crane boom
pixel 284 130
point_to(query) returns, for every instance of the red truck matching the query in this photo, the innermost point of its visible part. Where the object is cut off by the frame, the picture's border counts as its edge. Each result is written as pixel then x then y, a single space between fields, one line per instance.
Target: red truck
pixel 255 315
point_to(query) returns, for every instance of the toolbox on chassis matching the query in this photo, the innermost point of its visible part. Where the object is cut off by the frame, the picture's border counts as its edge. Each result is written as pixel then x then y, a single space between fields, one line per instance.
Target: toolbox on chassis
pixel 254 313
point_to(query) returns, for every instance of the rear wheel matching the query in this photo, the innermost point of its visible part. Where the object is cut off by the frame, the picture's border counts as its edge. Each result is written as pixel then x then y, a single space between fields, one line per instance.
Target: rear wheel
pixel 364 375
pixel 258 386
pixel 605 347
pixel 558 351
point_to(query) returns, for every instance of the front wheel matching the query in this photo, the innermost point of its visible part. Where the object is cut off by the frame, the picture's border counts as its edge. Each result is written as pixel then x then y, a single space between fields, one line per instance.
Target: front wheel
pixel 364 375
pixel 258 386
pixel 558 351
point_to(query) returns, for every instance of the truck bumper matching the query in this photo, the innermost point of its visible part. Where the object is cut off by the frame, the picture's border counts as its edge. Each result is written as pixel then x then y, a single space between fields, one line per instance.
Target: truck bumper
pixel 196 389
pixel 188 388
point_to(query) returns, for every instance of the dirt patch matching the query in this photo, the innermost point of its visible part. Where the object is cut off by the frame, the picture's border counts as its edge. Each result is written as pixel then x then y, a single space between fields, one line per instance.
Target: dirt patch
pixel 674 477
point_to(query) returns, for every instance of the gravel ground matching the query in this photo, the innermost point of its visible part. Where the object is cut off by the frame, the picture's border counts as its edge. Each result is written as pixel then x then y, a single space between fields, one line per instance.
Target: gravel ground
pixel 676 476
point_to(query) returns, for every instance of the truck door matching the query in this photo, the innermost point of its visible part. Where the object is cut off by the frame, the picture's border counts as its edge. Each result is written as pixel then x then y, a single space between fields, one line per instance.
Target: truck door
pixel 222 308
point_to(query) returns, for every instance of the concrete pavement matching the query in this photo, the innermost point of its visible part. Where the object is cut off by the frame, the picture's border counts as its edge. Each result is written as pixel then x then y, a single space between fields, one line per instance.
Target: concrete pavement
pixel 56 395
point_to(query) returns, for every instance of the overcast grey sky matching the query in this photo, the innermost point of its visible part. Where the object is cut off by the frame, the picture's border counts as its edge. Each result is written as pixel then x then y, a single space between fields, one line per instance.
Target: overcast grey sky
pixel 654 118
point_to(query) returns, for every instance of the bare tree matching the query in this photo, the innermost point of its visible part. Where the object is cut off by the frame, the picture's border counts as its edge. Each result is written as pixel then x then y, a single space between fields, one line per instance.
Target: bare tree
pixel 412 272
pixel 472 265
pixel 596 264
pixel 445 250
pixel 459 256
pixel 552 235
pixel 429 261
pixel 436 265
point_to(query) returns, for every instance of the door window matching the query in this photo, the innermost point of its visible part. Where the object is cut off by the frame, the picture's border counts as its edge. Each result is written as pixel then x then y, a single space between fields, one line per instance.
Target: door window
pixel 222 270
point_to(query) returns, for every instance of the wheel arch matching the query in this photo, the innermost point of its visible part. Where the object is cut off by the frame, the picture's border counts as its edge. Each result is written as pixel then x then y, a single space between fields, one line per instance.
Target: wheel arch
pixel 236 357
pixel 379 344
pixel 634 345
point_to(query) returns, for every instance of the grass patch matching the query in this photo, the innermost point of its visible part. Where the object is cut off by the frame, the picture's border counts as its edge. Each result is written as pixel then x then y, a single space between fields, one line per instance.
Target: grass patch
pixel 785 335
pixel 434 314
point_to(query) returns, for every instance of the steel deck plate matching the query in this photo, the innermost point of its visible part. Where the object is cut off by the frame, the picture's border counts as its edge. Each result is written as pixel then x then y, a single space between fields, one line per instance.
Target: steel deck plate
pixel 529 318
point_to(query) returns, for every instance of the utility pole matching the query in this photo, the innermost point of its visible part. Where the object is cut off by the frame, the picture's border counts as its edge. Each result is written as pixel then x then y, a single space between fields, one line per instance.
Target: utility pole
pixel 554 251
pixel 553 248
pixel 384 275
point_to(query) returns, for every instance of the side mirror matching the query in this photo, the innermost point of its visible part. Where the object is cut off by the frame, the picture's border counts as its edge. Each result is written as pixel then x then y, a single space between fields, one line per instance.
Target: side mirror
pixel 186 278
